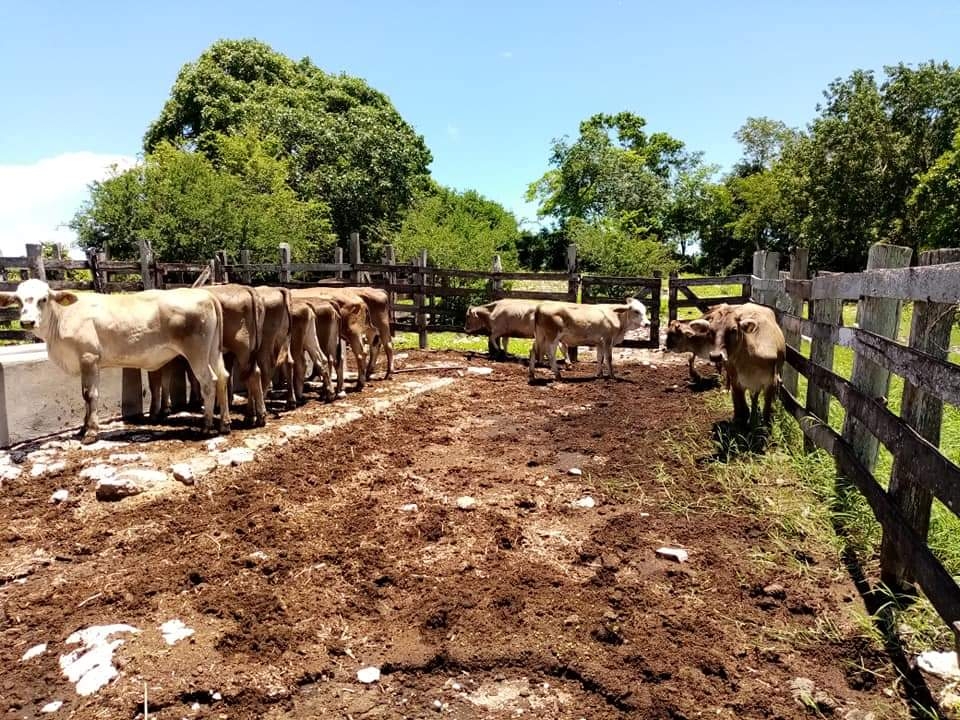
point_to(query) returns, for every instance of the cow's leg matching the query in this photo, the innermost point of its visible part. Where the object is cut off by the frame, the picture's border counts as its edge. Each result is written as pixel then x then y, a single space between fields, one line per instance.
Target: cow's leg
pixel 387 339
pixel 297 374
pixel 552 350
pixel 532 365
pixel 373 341
pixel 505 344
pixel 90 387
pixel 694 375
pixel 493 349
pixel 256 405
pixel 609 353
pixel 155 380
pixel 769 394
pixel 360 355
pixel 341 366
pixel 601 358
pixel 741 413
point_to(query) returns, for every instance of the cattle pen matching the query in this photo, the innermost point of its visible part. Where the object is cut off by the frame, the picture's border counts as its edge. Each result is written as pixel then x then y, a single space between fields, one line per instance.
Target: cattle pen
pixel 848 415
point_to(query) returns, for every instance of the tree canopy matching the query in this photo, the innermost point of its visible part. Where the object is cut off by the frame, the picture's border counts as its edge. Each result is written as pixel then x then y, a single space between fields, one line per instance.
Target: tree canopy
pixel 346 144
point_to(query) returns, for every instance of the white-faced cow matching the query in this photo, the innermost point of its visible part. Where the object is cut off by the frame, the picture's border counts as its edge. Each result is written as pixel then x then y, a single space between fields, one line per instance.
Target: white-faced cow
pixel 85 332
pixel 752 348
pixel 602 326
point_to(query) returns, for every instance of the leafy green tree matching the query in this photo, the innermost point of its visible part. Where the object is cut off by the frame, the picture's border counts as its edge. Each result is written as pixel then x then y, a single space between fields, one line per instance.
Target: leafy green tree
pixel 688 205
pixel 934 204
pixel 607 248
pixel 613 171
pixel 459 229
pixel 189 207
pixel 545 249
pixel 763 140
pixel 346 144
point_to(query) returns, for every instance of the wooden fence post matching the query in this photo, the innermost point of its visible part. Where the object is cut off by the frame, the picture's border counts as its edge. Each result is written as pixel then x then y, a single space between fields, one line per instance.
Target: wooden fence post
pixel 146 263
pixel 766 266
pixel 880 316
pixel 656 294
pixel 338 259
pixel 672 297
pixel 496 284
pixel 420 300
pixel 389 258
pixel 284 263
pixel 573 289
pixel 35 261
pixel 930 332
pixel 354 257
pixel 220 265
pixel 799 264
pixel 827 311
pixel 245 273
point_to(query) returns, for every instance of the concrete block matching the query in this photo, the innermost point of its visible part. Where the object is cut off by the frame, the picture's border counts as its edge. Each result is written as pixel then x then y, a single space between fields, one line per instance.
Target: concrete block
pixel 38 399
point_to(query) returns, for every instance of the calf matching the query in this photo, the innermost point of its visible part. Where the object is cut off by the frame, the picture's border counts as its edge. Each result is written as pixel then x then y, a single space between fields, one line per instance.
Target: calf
pixel 600 325
pixel 505 319
pixel 85 332
pixel 696 337
pixel 752 348
pixel 315 331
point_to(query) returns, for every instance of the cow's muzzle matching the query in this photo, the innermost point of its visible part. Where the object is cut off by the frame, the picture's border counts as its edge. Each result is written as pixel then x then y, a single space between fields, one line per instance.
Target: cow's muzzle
pixel 717 357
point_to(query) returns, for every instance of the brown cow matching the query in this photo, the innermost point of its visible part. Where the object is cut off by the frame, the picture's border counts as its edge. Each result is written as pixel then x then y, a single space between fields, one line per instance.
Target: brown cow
pixel 505 319
pixel 85 332
pixel 315 331
pixel 243 317
pixel 752 348
pixel 600 325
pixel 696 337
pixel 378 306
pixel 275 338
pixel 354 322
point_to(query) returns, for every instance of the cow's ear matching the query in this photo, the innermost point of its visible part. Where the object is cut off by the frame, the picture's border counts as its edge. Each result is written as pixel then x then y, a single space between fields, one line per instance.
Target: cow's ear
pixel 748 325
pixel 63 297
pixel 700 324
pixel 8 298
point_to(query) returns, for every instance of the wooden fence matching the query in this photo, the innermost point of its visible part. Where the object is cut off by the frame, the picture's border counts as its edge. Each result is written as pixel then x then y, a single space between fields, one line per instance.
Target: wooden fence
pixel 423 299
pixel 812 308
pixel 684 286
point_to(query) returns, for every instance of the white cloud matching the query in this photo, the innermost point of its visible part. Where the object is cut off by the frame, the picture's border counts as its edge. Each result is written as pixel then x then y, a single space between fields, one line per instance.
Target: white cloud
pixel 38 199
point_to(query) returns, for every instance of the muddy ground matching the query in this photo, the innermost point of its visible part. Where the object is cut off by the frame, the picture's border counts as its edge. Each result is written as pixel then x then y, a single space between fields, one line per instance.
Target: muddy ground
pixel 299 569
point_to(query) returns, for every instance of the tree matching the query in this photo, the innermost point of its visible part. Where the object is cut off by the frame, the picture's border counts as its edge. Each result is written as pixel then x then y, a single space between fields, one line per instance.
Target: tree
pixel 188 207
pixel 613 171
pixel 688 205
pixel 606 247
pixel 459 229
pixel 763 140
pixel 934 204
pixel 346 144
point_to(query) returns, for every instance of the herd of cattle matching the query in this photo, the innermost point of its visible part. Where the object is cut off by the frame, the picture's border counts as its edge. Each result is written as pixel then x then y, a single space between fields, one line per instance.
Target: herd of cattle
pixel 745 340
pixel 257 333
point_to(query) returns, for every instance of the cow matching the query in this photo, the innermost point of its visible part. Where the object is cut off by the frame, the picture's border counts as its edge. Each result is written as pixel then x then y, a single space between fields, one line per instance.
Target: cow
pixel 505 319
pixel 752 348
pixel 378 306
pixel 600 325
pixel 86 332
pixel 696 337
pixel 275 335
pixel 354 322
pixel 243 319
pixel 315 330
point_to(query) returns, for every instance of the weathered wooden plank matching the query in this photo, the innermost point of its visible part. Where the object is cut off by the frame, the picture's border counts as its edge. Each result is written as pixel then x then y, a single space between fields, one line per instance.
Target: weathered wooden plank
pixel 930 333
pixel 938 377
pixel 320 267
pixel 71 284
pixel 936 582
pixel 771 285
pixel 15 261
pixel 124 266
pixel 937 283
pixel 706 303
pixel 726 280
pixel 531 295
pixel 65 264
pixel 620 280
pixel 128 286
pixel 940 475
pixel 23 335
pixel 882 317
pixel 168 267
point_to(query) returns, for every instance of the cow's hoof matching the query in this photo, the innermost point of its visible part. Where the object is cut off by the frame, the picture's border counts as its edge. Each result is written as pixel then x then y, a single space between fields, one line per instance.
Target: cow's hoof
pixel 88 438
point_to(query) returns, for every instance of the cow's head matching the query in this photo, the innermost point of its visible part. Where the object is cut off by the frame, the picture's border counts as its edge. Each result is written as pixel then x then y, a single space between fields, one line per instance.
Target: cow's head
pixel 687 335
pixel 731 327
pixel 633 314
pixel 36 300
pixel 477 319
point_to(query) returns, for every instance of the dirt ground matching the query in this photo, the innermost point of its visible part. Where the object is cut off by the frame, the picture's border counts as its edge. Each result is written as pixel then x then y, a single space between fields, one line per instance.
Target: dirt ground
pixel 299 569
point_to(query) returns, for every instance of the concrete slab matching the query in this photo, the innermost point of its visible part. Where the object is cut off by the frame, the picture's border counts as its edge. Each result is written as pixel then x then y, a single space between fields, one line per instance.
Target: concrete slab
pixel 38 399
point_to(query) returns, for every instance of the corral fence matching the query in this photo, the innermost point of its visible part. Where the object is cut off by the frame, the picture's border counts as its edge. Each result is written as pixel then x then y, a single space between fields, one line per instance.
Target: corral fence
pixel 423 299
pixel 689 287
pixel 811 309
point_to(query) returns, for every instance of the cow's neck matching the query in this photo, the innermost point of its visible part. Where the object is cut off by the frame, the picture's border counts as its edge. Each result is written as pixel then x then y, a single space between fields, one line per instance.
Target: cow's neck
pixel 51 328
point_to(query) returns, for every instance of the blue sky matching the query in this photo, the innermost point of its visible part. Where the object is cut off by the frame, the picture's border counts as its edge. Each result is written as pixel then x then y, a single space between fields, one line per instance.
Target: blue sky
pixel 488 84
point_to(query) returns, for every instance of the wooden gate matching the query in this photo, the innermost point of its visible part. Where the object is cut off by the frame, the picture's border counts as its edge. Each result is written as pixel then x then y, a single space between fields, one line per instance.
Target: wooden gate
pixel 613 289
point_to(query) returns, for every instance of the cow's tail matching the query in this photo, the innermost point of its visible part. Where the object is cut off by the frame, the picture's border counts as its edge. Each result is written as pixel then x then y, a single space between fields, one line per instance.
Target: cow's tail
pixel 256 332
pixel 288 306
